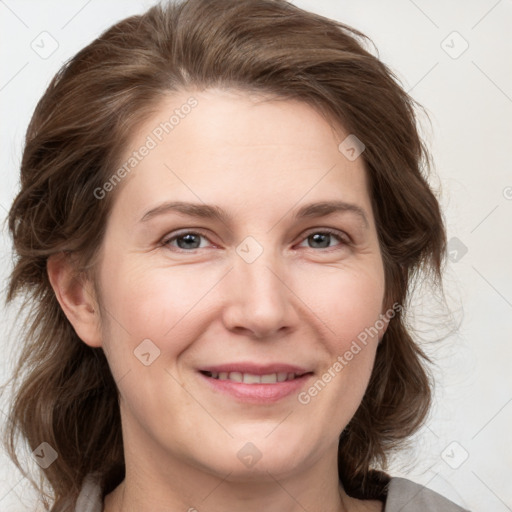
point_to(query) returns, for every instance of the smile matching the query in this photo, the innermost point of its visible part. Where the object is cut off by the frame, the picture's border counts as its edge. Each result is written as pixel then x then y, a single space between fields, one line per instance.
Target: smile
pixel 255 384
pixel 249 378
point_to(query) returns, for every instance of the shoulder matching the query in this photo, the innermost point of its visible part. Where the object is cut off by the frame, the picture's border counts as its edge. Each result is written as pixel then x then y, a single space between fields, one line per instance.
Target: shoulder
pixel 406 496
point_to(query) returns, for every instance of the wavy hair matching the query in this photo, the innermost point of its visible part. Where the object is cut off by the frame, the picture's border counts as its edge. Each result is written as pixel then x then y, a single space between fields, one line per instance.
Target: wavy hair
pixel 64 391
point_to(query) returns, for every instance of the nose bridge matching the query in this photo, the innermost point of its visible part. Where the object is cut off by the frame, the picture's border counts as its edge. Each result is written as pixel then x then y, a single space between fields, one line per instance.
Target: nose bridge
pixel 259 301
pixel 257 265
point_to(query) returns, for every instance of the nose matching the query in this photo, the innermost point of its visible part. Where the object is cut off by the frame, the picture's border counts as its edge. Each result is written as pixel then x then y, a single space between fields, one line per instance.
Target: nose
pixel 260 301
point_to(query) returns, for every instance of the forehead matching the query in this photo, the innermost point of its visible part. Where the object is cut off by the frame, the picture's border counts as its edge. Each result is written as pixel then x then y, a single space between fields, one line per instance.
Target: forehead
pixel 241 150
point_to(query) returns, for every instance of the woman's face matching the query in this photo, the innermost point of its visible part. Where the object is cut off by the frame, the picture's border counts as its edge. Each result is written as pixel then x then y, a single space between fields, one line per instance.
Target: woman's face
pixel 244 278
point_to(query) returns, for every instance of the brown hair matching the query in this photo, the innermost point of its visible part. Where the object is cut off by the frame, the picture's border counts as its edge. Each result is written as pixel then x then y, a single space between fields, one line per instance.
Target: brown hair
pixel 66 394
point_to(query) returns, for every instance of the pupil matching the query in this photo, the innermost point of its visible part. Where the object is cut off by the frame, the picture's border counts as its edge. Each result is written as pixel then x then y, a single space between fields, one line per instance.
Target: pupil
pixel 320 239
pixel 188 239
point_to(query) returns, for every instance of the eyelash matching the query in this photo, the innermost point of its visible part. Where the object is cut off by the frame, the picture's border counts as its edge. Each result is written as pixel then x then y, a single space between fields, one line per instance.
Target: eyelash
pixel 342 238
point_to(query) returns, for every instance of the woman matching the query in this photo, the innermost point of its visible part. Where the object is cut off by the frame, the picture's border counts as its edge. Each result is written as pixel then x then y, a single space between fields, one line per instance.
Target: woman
pixel 222 209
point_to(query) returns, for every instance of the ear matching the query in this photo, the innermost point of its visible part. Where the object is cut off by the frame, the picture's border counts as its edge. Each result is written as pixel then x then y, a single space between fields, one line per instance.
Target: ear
pixel 76 297
pixel 383 330
pixel 386 316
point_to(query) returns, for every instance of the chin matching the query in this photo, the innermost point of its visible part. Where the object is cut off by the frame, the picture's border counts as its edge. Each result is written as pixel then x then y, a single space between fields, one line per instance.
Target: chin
pixel 262 458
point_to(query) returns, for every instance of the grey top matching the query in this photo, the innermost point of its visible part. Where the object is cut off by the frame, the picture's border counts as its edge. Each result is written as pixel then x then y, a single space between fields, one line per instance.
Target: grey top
pixel 403 496
pixel 407 496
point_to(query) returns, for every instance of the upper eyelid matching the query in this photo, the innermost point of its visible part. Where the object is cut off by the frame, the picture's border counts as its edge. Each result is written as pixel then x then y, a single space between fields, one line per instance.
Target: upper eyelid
pixel 174 234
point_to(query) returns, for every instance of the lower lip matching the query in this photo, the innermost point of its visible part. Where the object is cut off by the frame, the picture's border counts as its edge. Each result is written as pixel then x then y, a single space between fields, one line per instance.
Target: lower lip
pixel 257 393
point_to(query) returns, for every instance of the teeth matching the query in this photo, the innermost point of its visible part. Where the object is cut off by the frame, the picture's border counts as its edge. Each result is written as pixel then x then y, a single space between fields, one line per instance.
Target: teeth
pixel 236 376
pixel 249 378
pixel 271 378
pixel 252 379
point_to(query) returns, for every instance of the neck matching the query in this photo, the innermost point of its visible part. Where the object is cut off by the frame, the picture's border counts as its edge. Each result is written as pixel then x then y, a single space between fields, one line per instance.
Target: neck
pixel 312 490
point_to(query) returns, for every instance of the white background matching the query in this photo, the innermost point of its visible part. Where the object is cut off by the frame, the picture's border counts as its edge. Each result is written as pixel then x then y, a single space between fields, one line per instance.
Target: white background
pixel 465 450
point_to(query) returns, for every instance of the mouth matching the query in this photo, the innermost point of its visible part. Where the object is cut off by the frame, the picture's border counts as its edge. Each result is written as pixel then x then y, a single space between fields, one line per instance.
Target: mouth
pixel 251 378
pixel 256 384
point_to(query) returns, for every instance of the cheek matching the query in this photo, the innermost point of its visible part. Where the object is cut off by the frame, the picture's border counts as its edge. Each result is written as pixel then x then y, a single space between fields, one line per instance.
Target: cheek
pixel 347 300
pixel 152 319
pixel 156 303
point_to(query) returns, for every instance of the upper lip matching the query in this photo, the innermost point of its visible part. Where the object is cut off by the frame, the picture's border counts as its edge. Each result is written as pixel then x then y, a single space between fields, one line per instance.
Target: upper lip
pixel 256 369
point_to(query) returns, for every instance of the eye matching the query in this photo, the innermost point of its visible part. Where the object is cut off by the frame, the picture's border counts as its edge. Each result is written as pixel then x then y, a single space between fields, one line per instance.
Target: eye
pixel 185 241
pixel 322 239
pixel 189 241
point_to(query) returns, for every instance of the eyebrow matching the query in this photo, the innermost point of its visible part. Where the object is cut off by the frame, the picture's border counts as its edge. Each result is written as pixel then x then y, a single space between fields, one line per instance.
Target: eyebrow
pixel 206 211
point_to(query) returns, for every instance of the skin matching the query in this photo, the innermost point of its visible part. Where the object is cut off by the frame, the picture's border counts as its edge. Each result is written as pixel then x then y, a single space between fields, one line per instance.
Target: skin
pixel 299 303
